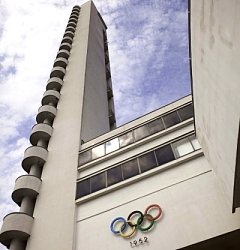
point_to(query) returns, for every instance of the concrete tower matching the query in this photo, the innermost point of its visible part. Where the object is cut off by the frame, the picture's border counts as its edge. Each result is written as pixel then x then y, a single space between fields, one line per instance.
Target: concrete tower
pixel 76 107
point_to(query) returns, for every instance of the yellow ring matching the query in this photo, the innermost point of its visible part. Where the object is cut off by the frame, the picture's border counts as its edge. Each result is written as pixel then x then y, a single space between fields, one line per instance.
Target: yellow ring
pixel 131 233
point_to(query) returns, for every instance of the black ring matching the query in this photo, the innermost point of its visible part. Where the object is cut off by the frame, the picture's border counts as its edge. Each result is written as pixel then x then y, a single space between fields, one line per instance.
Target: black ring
pixel 131 214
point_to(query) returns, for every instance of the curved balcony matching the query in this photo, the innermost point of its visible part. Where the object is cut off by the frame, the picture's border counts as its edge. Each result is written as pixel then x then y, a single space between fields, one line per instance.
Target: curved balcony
pixel 34 155
pixel 26 185
pixel 74 16
pixel 58 72
pixel 65 46
pixel 50 96
pixel 40 131
pixel 71 24
pixel 68 33
pixel 77 7
pixel 60 62
pixel 75 12
pixel 54 83
pixel 73 19
pixel 63 53
pixel 46 112
pixel 15 225
pixel 67 39
pixel 71 29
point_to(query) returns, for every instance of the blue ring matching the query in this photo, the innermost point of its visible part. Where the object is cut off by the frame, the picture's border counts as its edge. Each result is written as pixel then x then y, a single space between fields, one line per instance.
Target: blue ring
pixel 123 227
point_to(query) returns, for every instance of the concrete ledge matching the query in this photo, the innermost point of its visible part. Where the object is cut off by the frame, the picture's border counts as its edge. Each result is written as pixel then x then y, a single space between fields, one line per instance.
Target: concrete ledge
pixel 71 24
pixel 68 33
pixel 46 112
pixel 40 131
pixel 66 46
pixel 64 53
pixel 15 225
pixel 26 185
pixel 73 19
pixel 50 96
pixel 34 155
pixel 61 62
pixel 58 72
pixel 70 28
pixel 54 83
pixel 67 39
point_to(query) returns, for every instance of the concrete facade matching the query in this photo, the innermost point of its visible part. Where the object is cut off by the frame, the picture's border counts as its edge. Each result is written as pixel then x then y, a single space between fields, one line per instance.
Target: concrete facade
pixel 215 70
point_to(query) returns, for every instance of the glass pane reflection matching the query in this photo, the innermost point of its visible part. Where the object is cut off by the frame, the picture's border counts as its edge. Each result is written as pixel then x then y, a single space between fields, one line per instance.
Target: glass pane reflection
pixel 98 151
pixel 155 126
pixel 140 133
pixel 164 155
pixel 147 162
pixel 114 175
pixel 85 157
pixel 98 182
pixel 126 139
pixel 112 145
pixel 83 188
pixel 130 169
pixel 171 119
pixel 186 112
pixel 182 147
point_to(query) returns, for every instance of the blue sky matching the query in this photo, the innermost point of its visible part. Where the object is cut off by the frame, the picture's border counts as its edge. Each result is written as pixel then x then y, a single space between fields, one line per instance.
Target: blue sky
pixel 148 46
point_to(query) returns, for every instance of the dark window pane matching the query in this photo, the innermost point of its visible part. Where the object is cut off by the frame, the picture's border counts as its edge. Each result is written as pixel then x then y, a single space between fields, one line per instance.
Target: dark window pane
pixel 98 182
pixel 147 162
pixel 186 112
pixel 85 157
pixel 155 126
pixel 98 151
pixel 130 169
pixel 171 119
pixel 125 139
pixel 164 155
pixel 83 188
pixel 114 175
pixel 140 133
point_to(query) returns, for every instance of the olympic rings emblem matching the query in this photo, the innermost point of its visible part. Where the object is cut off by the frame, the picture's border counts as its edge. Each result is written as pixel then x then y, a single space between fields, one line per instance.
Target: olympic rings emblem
pixel 136 225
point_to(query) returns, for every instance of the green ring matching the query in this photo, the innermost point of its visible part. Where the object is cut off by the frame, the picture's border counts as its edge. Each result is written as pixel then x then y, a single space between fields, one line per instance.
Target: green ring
pixel 146 228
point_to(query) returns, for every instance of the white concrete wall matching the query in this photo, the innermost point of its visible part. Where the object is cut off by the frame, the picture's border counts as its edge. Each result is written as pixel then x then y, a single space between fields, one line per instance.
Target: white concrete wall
pixel 194 209
pixel 216 84
pixel 54 214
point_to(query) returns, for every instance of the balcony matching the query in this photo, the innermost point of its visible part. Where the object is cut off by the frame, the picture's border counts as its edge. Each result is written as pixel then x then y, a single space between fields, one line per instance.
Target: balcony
pixel 60 62
pixel 58 72
pixel 54 83
pixel 65 46
pixel 16 225
pixel 46 112
pixel 50 96
pixel 63 53
pixel 71 24
pixel 108 74
pixel 73 19
pixel 68 33
pixel 106 59
pixel 26 185
pixel 34 155
pixel 40 131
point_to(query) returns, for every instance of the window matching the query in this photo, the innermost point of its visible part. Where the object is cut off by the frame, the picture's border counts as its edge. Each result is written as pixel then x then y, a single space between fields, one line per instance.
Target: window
pixel 126 139
pixel 171 119
pixel 98 182
pixel 98 151
pixel 147 161
pixel 85 157
pixel 155 126
pixel 114 175
pixel 164 155
pixel 182 147
pixel 130 169
pixel 140 133
pixel 186 112
pixel 83 188
pixel 112 145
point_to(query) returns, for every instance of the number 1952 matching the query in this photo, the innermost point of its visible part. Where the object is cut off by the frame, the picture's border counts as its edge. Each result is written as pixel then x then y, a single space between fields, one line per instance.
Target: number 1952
pixel 139 242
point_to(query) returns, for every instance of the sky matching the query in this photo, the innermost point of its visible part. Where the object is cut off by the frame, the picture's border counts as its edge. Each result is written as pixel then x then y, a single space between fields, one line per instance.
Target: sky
pixel 148 47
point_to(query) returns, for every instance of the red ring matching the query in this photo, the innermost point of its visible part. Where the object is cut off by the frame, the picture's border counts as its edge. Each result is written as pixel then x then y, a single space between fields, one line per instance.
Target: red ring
pixel 157 216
